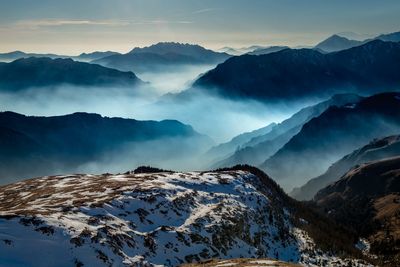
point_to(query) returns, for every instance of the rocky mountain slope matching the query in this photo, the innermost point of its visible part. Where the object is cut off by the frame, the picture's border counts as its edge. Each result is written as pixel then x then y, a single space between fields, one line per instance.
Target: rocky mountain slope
pixel 335 133
pixel 163 218
pixel 294 74
pixel 41 72
pixel 375 150
pixel 367 200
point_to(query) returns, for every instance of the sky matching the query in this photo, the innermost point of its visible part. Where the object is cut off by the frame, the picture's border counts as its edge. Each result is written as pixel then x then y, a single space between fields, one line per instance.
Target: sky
pixel 75 26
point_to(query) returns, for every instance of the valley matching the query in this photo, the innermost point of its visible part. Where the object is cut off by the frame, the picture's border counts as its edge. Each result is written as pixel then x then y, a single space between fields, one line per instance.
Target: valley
pixel 209 133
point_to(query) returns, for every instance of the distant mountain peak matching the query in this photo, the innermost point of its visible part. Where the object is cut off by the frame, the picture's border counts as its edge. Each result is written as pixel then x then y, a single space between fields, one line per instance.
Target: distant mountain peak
pixel 95 52
pixel 268 50
pixel 294 73
pixel 336 43
pixel 336 36
pixel 392 37
pixel 95 55
pixel 161 55
pixel 166 45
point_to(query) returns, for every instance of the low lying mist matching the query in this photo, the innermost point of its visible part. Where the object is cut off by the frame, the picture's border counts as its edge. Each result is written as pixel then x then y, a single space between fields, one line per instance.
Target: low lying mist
pixel 219 118
pixel 175 153
pixel 173 80
pixel 167 153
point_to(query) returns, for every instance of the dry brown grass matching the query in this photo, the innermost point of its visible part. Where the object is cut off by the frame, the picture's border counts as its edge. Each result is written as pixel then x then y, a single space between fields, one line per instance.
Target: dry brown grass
pixel 43 196
pixel 50 194
pixel 388 216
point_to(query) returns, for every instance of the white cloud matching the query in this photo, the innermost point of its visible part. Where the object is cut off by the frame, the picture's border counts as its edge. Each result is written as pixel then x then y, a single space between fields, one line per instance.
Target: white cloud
pixel 34 24
pixel 205 10
pixel 63 22
pixel 157 22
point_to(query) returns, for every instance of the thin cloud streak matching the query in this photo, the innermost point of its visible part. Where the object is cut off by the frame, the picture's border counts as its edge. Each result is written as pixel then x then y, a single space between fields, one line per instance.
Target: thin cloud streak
pixel 34 24
pixel 157 22
pixel 62 22
pixel 205 10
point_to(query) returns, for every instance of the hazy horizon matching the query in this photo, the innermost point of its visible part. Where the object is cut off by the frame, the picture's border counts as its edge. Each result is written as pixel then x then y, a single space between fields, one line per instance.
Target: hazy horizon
pixel 73 27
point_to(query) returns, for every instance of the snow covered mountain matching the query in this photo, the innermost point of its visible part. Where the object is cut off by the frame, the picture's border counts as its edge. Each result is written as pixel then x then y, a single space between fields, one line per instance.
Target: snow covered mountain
pixel 147 219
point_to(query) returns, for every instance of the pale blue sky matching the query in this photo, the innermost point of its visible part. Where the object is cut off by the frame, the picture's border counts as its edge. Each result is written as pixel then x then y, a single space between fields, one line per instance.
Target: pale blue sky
pixel 75 26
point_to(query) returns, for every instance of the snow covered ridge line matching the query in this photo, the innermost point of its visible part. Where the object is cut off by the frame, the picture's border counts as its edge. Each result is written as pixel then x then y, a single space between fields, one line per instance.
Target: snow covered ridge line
pixel 149 219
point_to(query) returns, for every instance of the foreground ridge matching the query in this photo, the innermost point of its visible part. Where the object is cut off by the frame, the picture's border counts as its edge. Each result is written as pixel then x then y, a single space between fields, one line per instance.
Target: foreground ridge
pixel 166 218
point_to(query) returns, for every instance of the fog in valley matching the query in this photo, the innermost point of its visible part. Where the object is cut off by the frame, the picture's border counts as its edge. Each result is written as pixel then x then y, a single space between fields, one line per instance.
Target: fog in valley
pixel 219 118
pixel 215 118
pixel 174 79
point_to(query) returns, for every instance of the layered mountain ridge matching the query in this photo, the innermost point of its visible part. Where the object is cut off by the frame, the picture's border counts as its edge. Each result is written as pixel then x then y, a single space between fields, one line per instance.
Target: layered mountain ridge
pixel 162 55
pixel 336 132
pixel 33 146
pixel 300 73
pixel 337 42
pixel 375 150
pixel 262 146
pixel 14 55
